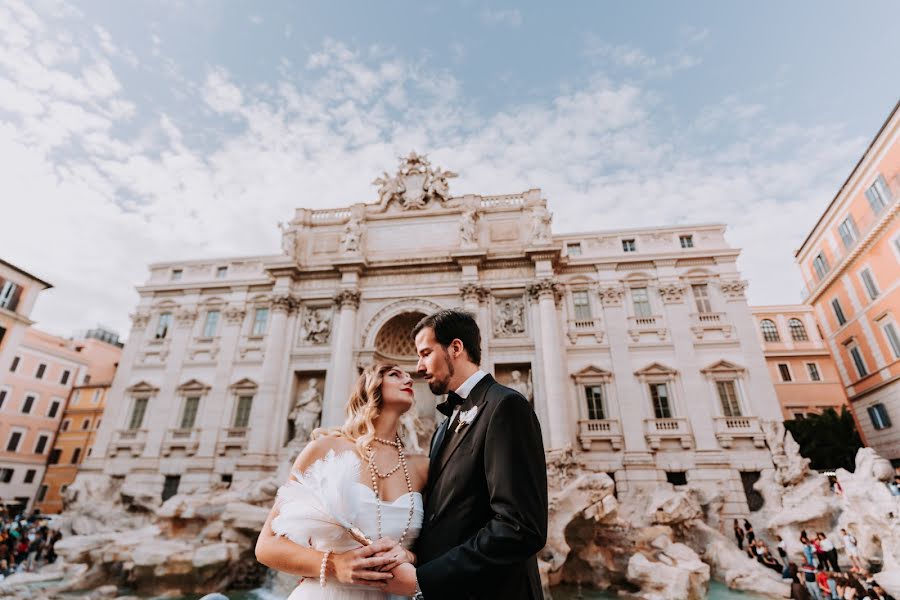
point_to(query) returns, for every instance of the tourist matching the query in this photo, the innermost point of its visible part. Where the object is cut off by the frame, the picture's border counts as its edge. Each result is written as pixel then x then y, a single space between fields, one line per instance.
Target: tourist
pixel 852 550
pixel 769 561
pixel 809 577
pixel 782 550
pixel 820 553
pixel 798 588
pixel 809 551
pixel 822 582
pixel 829 552
pixel 894 486
pixel 749 529
pixel 739 534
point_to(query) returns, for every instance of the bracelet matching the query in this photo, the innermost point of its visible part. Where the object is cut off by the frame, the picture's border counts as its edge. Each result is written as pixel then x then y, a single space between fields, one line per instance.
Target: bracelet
pixel 323 567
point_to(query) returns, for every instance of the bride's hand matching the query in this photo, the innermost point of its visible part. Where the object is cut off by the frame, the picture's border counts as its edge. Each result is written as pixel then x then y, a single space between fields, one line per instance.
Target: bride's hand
pixel 363 565
pixel 397 553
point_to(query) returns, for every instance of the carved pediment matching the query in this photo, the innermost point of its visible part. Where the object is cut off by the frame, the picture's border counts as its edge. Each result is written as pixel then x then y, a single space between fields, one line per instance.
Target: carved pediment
pixel 142 388
pixel 656 369
pixel 193 386
pixel 592 373
pixel 723 367
pixel 244 385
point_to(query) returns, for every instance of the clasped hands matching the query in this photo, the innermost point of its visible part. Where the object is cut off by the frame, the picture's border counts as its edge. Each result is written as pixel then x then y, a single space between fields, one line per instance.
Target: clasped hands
pixel 385 565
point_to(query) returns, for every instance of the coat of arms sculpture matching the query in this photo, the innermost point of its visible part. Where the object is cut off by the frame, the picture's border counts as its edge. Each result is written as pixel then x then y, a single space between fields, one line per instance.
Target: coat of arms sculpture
pixel 415 184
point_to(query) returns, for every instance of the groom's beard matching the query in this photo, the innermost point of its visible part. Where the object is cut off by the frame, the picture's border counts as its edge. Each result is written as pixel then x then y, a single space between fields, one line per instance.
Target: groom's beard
pixel 442 386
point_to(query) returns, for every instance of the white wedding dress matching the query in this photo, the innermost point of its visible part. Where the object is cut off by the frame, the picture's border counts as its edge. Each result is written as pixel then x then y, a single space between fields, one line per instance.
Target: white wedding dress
pixel 333 483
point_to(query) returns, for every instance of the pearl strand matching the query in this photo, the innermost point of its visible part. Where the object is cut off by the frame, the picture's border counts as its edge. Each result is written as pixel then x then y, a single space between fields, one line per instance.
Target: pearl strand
pixel 374 472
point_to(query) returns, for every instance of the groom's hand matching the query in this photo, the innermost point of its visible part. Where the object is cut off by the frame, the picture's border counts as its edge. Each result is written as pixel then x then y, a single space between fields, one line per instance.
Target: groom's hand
pixel 397 553
pixel 404 581
pixel 362 566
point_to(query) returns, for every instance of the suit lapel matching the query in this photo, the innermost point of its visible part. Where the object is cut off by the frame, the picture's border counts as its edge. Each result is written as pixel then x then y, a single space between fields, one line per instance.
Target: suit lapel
pixel 478 395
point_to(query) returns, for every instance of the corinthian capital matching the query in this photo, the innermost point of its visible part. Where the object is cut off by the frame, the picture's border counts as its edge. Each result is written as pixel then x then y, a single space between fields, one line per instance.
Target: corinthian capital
pixel 611 295
pixel 284 303
pixel 472 292
pixel 671 292
pixel 234 313
pixel 349 298
pixel 140 319
pixel 544 288
pixel 185 316
pixel 733 289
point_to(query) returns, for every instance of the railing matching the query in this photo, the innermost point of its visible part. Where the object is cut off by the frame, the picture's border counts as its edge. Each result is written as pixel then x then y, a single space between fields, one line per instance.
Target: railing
pixel 234 438
pixel 678 428
pixel 128 440
pixel 510 200
pixel 644 322
pixel 708 318
pixel 730 428
pixel 584 323
pixel 609 430
pixel 181 438
pixel 666 425
pixel 328 215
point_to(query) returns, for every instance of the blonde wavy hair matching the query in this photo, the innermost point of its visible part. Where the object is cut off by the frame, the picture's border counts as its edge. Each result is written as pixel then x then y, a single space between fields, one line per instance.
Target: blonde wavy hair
pixel 364 407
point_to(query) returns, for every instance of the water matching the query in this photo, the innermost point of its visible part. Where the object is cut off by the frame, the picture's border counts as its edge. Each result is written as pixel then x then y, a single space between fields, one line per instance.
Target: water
pixel 717 591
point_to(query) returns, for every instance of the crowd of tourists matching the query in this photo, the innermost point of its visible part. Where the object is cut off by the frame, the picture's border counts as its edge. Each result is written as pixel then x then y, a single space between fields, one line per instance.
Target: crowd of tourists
pixel 26 542
pixel 818 576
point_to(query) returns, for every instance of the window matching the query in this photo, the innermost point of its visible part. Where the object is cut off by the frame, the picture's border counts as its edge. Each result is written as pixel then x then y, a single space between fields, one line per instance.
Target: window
pixel 54 408
pixel 8 295
pixel 221 272
pixel 628 246
pixel 137 413
pixel 728 398
pixel 641 301
pixel 97 425
pixel 41 444
pixel 189 413
pixel 687 241
pixel 858 361
pixel 96 398
pixel 176 274
pixel 848 232
pixel 890 332
pixel 12 445
pixel 65 425
pixel 14 365
pixel 878 194
pixel 242 413
pixel 42 493
pixel 86 424
pixel 2 397
pixel 170 486
pixel 54 456
pixel 75 397
pixel 798 331
pixel 676 477
pixel 582 305
pixel 785 372
pixel 28 404
pixel 260 318
pixel 29 476
pixel 39 374
pixel 869 282
pixel 820 264
pixel 212 322
pixel 573 249
pixel 75 456
pixel 6 475
pixel 86 379
pixel 701 298
pixel 813 371
pixel 593 394
pixel 799 416
pixel 65 377
pixel 769 331
pixel 2 334
pixel 878 414
pixel 659 394
pixel 838 311
pixel 163 325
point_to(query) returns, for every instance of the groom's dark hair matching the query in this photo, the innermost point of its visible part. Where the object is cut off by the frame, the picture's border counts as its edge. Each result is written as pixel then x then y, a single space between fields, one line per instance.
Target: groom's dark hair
pixel 451 324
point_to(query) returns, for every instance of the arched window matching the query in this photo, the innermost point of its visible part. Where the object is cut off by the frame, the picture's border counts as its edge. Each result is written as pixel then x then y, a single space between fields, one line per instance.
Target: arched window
pixel 798 331
pixel 769 331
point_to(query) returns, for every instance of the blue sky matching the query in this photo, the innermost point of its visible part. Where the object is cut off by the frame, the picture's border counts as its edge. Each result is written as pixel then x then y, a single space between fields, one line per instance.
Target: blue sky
pixel 133 132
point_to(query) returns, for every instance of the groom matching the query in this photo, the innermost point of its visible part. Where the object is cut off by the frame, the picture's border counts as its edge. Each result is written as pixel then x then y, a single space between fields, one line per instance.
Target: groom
pixel 486 498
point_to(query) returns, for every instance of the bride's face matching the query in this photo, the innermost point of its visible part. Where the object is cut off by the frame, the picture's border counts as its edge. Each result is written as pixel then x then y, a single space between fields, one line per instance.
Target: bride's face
pixel 397 390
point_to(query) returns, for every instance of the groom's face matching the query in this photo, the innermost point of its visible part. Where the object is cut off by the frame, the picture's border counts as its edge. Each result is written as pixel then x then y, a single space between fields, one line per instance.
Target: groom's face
pixel 434 364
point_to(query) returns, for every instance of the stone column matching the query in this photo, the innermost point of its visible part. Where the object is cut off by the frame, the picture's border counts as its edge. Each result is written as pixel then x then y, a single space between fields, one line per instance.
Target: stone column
pixel 545 291
pixel 260 430
pixel 474 297
pixel 341 372
pixel 210 420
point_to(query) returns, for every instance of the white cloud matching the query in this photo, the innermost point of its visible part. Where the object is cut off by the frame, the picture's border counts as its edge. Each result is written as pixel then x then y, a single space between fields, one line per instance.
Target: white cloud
pixel 111 203
pixel 499 16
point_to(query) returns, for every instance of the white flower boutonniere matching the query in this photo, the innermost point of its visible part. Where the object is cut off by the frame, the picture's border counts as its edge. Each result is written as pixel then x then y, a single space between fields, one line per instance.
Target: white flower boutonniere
pixel 466 417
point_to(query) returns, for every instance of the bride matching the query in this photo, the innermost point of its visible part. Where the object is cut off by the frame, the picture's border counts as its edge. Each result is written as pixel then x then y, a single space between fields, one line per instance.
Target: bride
pixel 383 489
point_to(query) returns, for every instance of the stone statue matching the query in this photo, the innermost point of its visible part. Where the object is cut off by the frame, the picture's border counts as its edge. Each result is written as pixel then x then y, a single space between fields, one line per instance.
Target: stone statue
pixel 415 184
pixel 352 238
pixel 388 187
pixel 523 387
pixel 510 318
pixel 540 225
pixel 317 326
pixel 467 233
pixel 307 411
pixel 437 184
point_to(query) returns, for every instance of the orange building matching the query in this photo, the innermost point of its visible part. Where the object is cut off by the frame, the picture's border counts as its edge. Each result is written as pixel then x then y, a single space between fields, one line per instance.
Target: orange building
pixel 81 418
pixel 800 365
pixel 34 386
pixel 18 292
pixel 851 263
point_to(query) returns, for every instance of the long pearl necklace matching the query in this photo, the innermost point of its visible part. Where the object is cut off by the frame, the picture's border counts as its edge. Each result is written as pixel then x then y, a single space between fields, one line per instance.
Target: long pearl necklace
pixel 376 474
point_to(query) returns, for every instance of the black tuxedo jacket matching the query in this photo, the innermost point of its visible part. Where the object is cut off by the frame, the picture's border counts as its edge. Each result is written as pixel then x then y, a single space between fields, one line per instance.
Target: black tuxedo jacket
pixel 485 503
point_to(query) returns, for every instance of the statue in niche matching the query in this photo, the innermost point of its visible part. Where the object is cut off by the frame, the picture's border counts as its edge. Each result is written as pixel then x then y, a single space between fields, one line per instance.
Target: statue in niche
pixel 317 325
pixel 510 317
pixel 307 411
pixel 540 225
pixel 467 234
pixel 289 239
pixel 352 238
pixel 523 387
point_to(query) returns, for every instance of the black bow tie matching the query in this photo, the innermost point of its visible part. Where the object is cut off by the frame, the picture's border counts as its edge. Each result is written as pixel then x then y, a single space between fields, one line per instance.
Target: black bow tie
pixel 453 400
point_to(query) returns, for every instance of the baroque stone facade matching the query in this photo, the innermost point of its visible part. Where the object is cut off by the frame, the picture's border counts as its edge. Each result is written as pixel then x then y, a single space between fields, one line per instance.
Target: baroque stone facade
pixel 637 347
